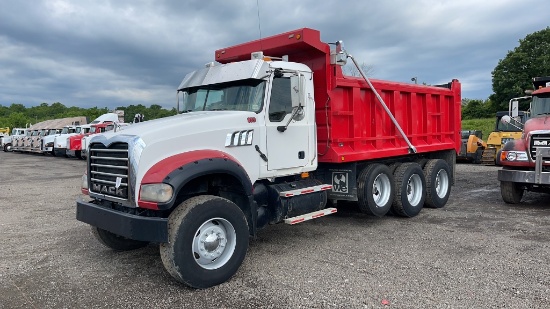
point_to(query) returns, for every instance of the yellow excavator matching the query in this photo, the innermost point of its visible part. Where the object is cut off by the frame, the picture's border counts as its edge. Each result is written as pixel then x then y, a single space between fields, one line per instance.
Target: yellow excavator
pixel 472 146
pixel 503 133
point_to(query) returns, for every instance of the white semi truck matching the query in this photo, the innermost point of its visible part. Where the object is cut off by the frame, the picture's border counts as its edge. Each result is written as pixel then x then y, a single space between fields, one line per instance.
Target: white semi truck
pixel 7 141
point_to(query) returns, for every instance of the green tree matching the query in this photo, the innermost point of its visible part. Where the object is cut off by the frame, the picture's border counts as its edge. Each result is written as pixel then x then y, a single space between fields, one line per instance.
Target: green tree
pixel 475 109
pixel 17 120
pixel 513 74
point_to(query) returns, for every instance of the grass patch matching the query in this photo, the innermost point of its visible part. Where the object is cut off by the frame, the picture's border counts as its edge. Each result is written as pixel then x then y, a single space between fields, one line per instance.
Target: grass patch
pixel 486 125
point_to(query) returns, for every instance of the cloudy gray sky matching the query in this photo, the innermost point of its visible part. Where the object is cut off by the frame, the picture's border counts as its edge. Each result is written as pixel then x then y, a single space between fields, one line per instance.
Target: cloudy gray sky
pixel 115 53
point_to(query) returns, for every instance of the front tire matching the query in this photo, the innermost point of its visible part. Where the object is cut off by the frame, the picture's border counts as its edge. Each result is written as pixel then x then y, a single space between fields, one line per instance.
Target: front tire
pixel 376 189
pixel 438 183
pixel 511 192
pixel 116 242
pixel 207 241
pixel 411 193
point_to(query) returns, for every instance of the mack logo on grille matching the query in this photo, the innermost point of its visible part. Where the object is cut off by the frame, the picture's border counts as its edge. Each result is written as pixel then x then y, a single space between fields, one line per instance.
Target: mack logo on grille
pixel 540 143
pixel 108 190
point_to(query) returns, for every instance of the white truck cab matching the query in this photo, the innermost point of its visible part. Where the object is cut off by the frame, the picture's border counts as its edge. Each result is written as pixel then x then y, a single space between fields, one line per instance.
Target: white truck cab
pixel 7 141
pixel 48 141
pixel 60 141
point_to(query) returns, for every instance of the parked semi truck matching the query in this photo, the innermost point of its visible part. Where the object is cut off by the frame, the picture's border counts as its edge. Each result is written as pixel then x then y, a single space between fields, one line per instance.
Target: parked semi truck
pixel 272 133
pixel 526 161
pixel 73 143
pixel 7 141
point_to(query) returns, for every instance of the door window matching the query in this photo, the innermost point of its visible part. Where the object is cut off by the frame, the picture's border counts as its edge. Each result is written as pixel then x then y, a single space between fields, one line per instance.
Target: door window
pixel 281 102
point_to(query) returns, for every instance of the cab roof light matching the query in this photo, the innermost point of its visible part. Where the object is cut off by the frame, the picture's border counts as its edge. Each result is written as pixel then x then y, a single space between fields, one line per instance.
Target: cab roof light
pixel 260 55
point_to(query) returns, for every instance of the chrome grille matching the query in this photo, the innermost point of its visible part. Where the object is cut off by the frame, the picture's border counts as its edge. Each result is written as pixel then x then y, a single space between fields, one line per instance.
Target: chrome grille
pixel 108 170
pixel 538 140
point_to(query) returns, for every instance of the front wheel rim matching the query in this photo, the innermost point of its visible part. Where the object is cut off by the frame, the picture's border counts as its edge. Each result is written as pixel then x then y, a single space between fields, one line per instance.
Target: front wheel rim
pixel 414 190
pixel 214 243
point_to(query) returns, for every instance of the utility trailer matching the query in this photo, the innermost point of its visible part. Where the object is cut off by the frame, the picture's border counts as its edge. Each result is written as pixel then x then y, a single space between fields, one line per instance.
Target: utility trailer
pixel 269 134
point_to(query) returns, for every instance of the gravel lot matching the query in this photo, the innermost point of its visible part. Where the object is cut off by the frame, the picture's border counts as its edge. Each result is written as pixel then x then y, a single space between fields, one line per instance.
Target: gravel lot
pixel 477 252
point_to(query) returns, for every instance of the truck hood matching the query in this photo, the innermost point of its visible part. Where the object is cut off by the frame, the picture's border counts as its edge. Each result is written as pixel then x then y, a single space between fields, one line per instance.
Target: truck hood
pixel 537 123
pixel 171 136
pixel 153 131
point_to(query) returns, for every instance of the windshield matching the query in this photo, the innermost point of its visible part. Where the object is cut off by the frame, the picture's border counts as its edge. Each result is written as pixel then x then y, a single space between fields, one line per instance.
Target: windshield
pixel 65 131
pixel 78 130
pixel 52 132
pixel 540 105
pixel 93 129
pixel 242 95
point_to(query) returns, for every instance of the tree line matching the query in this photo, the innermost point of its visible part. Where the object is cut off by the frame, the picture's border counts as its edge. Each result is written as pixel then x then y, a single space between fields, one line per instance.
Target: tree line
pixel 513 75
pixel 510 78
pixel 19 116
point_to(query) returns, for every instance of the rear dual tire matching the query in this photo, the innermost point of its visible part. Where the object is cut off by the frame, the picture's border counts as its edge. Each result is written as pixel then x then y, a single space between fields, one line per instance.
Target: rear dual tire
pixel 438 183
pixel 376 190
pixel 404 188
pixel 410 190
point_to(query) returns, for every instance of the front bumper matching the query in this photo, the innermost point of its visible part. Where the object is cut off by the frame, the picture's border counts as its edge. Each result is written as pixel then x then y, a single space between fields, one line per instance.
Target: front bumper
pixel 530 177
pixel 135 227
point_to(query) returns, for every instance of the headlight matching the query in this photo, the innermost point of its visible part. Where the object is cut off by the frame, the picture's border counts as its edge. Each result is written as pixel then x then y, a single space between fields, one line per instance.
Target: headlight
pixel 157 192
pixel 514 156
pixel 49 144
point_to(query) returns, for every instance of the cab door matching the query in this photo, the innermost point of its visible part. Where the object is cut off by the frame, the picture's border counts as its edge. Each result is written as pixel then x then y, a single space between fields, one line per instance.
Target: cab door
pixel 289 147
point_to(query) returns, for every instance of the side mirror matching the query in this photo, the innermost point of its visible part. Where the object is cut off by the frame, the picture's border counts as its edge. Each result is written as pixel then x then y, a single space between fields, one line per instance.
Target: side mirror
pixel 297 90
pixel 515 105
pixel 505 119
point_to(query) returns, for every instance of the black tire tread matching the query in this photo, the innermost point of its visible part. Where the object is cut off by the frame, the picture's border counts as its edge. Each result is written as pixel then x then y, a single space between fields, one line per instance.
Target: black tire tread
pixel 181 217
pixel 429 169
pixel 363 199
pixel 511 193
pixel 398 207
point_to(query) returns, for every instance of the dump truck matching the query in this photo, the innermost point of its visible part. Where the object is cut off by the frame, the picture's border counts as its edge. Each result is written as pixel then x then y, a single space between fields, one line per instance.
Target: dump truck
pixel 271 132
pixel 526 161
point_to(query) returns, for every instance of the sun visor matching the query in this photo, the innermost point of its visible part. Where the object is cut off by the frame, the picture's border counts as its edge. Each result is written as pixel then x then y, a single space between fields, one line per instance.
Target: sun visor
pixel 225 73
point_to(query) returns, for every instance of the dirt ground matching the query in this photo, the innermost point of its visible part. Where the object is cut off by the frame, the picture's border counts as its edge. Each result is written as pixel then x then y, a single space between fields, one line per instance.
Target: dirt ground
pixel 477 252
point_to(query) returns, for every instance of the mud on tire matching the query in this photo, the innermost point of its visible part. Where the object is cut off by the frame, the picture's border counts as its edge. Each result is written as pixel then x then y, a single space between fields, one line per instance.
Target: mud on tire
pixel 207 241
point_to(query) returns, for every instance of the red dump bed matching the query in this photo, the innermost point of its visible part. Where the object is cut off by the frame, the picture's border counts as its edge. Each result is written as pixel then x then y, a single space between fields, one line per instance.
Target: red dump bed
pixel 351 124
